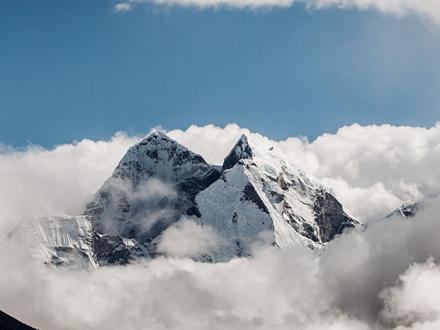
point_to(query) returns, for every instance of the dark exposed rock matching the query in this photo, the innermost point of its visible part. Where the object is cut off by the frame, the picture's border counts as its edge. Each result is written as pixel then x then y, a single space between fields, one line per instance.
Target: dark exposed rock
pixel 114 250
pixel 309 232
pixel 407 210
pixel 239 249
pixel 282 183
pixel 7 322
pixel 276 197
pixel 251 195
pixel 330 216
pixel 192 186
pixel 235 218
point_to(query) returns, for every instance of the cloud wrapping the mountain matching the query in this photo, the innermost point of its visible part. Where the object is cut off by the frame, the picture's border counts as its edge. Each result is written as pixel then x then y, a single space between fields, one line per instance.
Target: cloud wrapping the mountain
pixel 156 197
pixel 39 182
pixel 384 278
pixel 372 169
pixel 363 281
pixel 188 239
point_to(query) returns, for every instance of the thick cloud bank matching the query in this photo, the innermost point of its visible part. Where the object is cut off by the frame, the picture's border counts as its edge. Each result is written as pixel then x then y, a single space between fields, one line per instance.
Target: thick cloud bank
pixel 387 277
pixel 425 8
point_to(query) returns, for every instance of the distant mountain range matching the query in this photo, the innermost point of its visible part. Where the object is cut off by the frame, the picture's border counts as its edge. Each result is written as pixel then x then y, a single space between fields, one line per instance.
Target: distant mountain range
pixel 255 193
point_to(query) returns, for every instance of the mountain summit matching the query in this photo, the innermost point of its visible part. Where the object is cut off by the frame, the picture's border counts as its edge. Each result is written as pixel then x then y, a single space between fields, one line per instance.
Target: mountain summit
pixel 240 151
pixel 256 197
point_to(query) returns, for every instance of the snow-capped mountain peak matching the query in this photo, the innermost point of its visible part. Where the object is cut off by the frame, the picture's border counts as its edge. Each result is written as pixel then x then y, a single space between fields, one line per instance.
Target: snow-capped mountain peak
pixel 256 198
pixel 161 157
pixel 241 150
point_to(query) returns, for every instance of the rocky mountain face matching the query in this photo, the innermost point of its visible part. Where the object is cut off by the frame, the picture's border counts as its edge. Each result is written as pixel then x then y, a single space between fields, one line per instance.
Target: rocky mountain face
pixel 256 197
pixel 407 210
pixel 7 322
pixel 410 209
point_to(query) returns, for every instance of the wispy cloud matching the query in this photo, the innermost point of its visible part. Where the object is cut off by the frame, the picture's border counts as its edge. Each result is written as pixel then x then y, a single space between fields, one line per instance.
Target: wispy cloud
pixel 122 7
pixel 240 4
pixel 425 8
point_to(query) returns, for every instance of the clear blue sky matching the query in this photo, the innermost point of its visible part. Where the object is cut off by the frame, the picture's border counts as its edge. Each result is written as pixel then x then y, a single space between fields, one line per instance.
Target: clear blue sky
pixel 76 69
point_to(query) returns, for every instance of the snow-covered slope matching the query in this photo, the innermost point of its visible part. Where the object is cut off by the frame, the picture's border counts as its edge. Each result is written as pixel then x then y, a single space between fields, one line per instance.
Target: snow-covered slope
pixel 255 198
pixel 59 240
pixel 260 198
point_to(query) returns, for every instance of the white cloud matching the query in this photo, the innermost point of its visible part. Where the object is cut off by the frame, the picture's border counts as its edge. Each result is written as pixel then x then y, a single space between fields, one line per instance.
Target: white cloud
pixel 188 239
pixel 122 7
pixel 157 200
pixel 425 8
pixel 38 182
pixel 227 3
pixel 351 286
pixel 413 301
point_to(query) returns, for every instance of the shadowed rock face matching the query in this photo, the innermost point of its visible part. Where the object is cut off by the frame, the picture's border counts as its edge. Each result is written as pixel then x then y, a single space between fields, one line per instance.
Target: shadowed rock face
pixel 9 323
pixel 249 194
pixel 330 216
pixel 256 198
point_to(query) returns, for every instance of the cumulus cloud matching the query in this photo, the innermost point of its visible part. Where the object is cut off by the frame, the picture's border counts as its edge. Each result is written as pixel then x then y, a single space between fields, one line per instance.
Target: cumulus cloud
pixel 386 277
pixel 426 8
pixel 413 302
